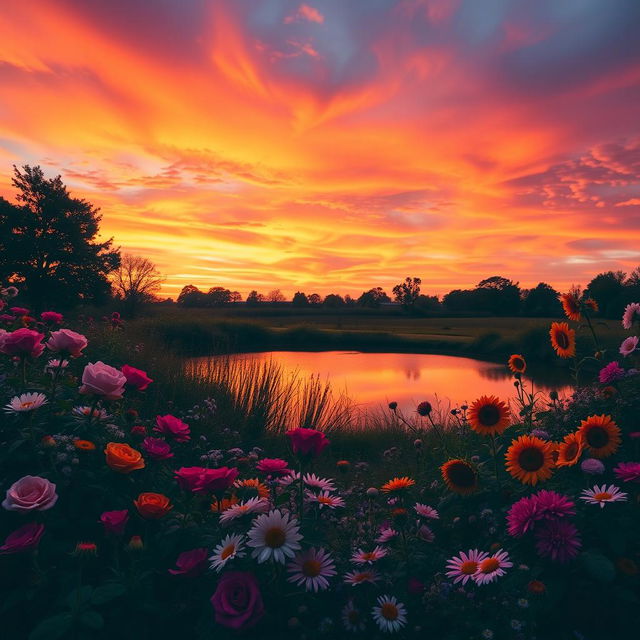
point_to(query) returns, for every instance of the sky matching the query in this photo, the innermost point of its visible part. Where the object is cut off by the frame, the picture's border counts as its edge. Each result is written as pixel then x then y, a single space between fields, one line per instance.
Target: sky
pixel 337 145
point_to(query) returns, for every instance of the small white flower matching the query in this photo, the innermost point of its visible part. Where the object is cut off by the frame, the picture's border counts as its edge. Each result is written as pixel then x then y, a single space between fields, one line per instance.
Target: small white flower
pixel 368 557
pixel 324 499
pixel 323 484
pixel 274 535
pixel 361 577
pixel 231 547
pixel 601 495
pixel 390 615
pixel 26 402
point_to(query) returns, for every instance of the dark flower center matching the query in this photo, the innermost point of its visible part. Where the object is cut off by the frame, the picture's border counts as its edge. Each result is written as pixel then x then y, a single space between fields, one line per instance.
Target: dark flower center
pixel 562 339
pixel 597 437
pixel 489 415
pixel 461 475
pixel 275 538
pixel 531 459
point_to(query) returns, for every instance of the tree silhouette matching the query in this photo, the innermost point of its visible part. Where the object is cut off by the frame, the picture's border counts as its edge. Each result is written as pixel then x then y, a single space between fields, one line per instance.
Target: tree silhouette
pixel 47 243
pixel 373 298
pixel 608 290
pixel 254 298
pixel 135 282
pixel 276 296
pixel 407 292
pixel 300 299
pixel 542 300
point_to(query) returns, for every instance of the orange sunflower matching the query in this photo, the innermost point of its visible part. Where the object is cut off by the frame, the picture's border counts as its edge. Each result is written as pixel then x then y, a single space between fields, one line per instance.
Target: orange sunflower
pixel 563 339
pixel 517 363
pixel 591 304
pixel 571 306
pixel 570 450
pixel 460 476
pixel 261 489
pixel 225 503
pixel 530 459
pixel 84 445
pixel 601 435
pixel 397 484
pixel 489 416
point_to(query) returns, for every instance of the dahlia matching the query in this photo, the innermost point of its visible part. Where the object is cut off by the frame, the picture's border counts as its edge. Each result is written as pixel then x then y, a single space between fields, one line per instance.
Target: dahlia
pixel 558 540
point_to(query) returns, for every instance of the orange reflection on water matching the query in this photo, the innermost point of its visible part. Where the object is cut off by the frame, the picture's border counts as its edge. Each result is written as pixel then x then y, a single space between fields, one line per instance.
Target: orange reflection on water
pixel 375 379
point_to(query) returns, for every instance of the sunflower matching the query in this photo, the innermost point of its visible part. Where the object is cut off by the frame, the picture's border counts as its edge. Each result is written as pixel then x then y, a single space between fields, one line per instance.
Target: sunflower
pixel 224 504
pixel 571 306
pixel 84 445
pixel 459 476
pixel 563 339
pixel 591 304
pixel 252 486
pixel 570 450
pixel 530 459
pixel 517 363
pixel 397 484
pixel 488 416
pixel 601 435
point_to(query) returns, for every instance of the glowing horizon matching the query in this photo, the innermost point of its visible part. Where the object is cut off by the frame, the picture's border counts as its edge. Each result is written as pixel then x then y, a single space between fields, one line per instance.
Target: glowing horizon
pixel 333 147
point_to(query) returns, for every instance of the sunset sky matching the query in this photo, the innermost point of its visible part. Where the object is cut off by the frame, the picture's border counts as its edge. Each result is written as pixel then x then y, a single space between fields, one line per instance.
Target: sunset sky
pixel 341 144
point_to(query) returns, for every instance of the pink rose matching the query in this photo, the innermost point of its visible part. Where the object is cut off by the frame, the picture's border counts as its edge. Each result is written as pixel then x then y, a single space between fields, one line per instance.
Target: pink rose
pixel 19 311
pixel 30 493
pixel 115 521
pixel 307 442
pixel 51 317
pixel 22 342
pixel 189 477
pixel 102 380
pixel 237 600
pixel 67 342
pixel 172 426
pixel 274 467
pixel 22 539
pixel 217 480
pixel 157 448
pixel 136 378
pixel 191 563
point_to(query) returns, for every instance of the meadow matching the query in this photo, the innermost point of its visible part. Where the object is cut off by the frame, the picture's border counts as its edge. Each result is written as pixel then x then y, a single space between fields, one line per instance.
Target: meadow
pixel 148 500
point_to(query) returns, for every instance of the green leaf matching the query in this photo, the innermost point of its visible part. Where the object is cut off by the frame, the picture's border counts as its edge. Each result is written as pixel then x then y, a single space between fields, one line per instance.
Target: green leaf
pixel 52 628
pixel 598 566
pixel 92 619
pixel 107 592
pixel 79 597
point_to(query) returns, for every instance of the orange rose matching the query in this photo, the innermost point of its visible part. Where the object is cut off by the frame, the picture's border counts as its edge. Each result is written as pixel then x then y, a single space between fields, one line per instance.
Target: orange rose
pixel 122 458
pixel 153 506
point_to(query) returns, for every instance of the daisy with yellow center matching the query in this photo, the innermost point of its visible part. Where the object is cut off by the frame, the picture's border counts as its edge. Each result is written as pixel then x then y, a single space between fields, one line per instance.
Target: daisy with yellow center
pixel 361 577
pixel 571 306
pixel 601 495
pixel 563 339
pixel 569 450
pixel 601 435
pixel 231 547
pixel 274 535
pixel 311 568
pixel 248 507
pixel 397 484
pixel 390 615
pixel 324 499
pixel 488 416
pixel 517 363
pixel 26 402
pixel 252 485
pixel 368 557
pixel 464 566
pixel 492 567
pixel 460 476
pixel 530 459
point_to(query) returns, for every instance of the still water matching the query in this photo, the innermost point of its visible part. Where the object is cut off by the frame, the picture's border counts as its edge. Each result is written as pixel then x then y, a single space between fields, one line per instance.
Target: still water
pixel 373 380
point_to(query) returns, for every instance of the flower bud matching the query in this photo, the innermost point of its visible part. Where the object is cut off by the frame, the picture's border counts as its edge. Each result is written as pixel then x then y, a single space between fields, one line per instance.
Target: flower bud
pixel 393 406
pixel 424 408
pixel 135 544
pixel 85 549
pixel 372 492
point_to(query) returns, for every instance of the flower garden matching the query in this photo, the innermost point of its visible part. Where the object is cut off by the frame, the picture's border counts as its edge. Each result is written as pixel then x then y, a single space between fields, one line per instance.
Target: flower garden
pixel 518 518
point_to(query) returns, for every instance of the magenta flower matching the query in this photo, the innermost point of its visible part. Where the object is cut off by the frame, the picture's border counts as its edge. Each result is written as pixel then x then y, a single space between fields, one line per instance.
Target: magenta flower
pixel 611 373
pixel 629 345
pixel 19 311
pixel 171 426
pixel 101 379
pixel 67 342
pixel 522 516
pixel 237 601
pixel 558 540
pixel 114 522
pixel 190 563
pixel 628 471
pixel 188 478
pixel 157 448
pixel 51 317
pixel 274 467
pixel 199 479
pixel 552 505
pixel 307 442
pixel 136 377
pixel 23 539
pixel 630 311
pixel 22 342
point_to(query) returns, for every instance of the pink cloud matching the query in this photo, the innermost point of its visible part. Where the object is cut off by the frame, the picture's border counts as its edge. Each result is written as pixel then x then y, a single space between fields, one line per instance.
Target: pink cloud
pixel 305 13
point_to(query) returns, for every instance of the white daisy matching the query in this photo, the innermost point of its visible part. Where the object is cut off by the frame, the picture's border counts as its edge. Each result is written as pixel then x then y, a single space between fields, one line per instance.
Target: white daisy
pixel 361 577
pixel 311 568
pixel 26 402
pixel 603 494
pixel 492 567
pixel 425 511
pixel 244 508
pixel 368 557
pixel 231 547
pixel 323 484
pixel 324 499
pixel 83 412
pixel 352 618
pixel 390 615
pixel 274 535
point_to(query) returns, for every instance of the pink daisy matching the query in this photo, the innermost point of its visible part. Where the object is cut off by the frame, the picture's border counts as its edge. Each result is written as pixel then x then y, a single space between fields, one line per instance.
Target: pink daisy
pixel 311 568
pixel 628 471
pixel 360 577
pixel 424 511
pixel 464 566
pixel 386 534
pixel 601 495
pixel 247 507
pixel 324 499
pixel 323 484
pixel 558 540
pixel 631 310
pixel 629 345
pixel 492 567
pixel 368 557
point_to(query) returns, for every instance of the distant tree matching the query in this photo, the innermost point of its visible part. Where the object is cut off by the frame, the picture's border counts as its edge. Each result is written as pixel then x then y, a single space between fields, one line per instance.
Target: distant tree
pixel 498 296
pixel 428 304
pixel 48 244
pixel 349 301
pixel 461 301
pixel 217 296
pixel 634 278
pixel 191 296
pixel 135 282
pixel 254 298
pixel 541 301
pixel 276 296
pixel 608 290
pixel 373 298
pixel 235 297
pixel 333 300
pixel 300 299
pixel 407 292
pixel 315 298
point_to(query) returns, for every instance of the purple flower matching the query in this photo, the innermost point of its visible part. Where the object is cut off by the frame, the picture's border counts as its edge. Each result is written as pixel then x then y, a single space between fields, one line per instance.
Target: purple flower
pixel 237 600
pixel 558 540
pixel 628 471
pixel 522 516
pixel 157 448
pixel 552 505
pixel 592 466
pixel 23 539
pixel 611 373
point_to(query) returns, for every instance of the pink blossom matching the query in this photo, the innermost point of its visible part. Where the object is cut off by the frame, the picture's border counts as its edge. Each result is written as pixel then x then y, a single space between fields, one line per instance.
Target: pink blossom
pixel 103 380
pixel 136 378
pixel 611 373
pixel 114 522
pixel 51 317
pixel 237 600
pixel 191 563
pixel 274 467
pixel 67 342
pixel 22 342
pixel 23 539
pixel 630 311
pixel 558 540
pixel 19 311
pixel 199 479
pixel 629 345
pixel 157 448
pixel 30 493
pixel 172 426
pixel 307 442
pixel 628 471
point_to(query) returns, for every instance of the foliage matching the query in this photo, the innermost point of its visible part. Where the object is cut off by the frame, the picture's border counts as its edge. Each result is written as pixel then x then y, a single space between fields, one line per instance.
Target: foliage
pixel 136 281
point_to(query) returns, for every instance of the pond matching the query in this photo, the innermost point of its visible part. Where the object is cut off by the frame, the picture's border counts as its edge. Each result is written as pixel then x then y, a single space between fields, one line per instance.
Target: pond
pixel 372 380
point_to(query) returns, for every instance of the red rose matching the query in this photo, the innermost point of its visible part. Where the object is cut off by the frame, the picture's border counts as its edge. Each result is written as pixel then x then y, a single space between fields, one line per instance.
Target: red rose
pixel 23 539
pixel 136 378
pixel 172 426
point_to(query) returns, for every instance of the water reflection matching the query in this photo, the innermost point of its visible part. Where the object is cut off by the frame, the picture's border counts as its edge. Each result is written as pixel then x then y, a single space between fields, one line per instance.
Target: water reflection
pixel 374 379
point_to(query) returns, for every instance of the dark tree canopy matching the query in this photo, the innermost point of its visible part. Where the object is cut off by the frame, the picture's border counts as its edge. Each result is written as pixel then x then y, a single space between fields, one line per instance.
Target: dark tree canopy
pixel 136 281
pixel 373 298
pixel 300 299
pixel 254 298
pixel 608 290
pixel 542 301
pixel 407 292
pixel 47 243
pixel 333 300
